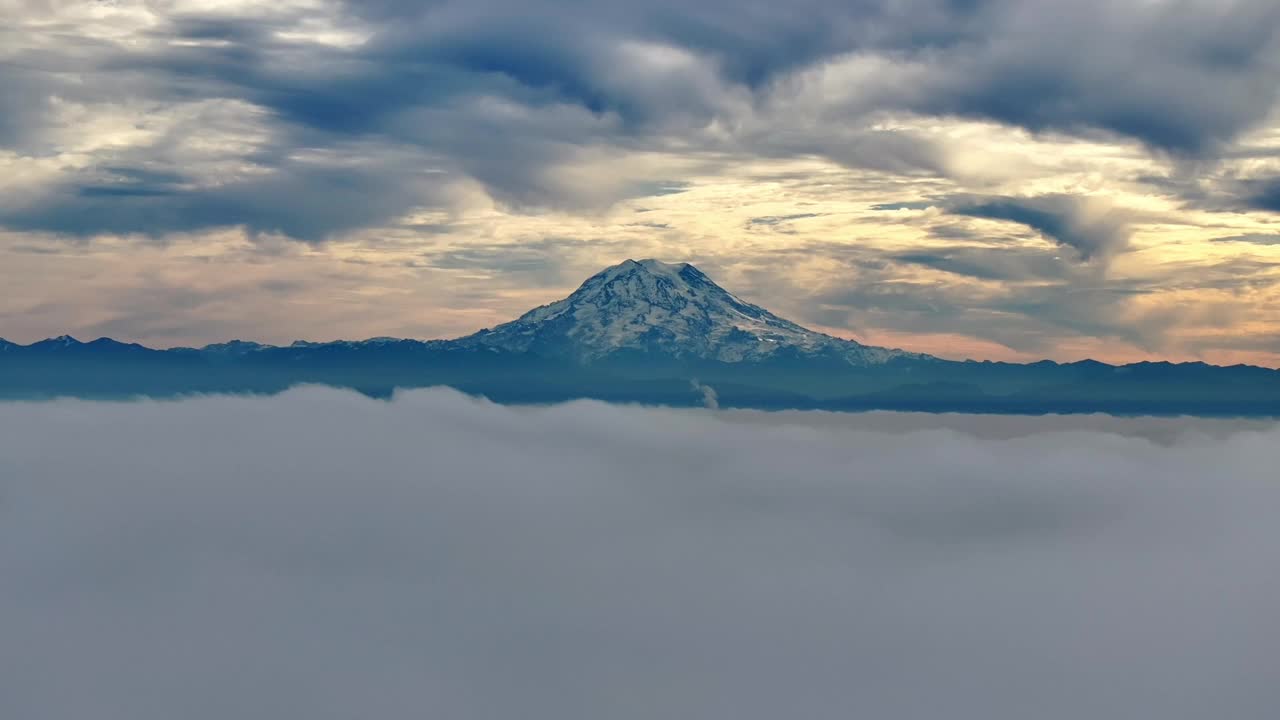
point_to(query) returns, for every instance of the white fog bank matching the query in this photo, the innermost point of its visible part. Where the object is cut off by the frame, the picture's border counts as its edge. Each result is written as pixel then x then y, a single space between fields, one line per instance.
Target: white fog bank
pixel 319 555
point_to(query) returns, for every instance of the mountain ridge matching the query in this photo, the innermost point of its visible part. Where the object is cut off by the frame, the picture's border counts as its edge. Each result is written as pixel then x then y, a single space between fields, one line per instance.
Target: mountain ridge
pixel 649 332
pixel 770 331
pixel 507 336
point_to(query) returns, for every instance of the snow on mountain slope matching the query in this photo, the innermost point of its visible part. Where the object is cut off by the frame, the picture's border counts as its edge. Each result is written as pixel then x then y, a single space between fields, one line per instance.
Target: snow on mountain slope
pixel 645 308
pixel 672 310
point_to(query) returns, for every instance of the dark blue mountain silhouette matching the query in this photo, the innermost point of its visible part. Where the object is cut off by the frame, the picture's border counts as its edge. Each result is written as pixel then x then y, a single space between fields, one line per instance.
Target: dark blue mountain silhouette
pixel 650 332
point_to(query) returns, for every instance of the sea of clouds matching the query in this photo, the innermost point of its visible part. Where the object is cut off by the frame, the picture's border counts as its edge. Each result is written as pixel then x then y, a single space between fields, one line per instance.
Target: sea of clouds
pixel 322 555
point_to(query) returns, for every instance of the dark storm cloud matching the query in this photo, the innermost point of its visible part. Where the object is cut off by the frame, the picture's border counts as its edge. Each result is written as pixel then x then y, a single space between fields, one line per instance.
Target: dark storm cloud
pixel 322 555
pixel 1148 73
pixel 24 102
pixel 1221 192
pixel 1264 195
pixel 305 201
pixel 503 92
pixel 1092 229
pixel 750 43
pixel 988 263
pixel 1184 77
pixel 1064 219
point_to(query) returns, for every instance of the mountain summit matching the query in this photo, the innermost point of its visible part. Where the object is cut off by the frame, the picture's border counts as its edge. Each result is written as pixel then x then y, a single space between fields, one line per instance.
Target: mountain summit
pixel 650 332
pixel 648 308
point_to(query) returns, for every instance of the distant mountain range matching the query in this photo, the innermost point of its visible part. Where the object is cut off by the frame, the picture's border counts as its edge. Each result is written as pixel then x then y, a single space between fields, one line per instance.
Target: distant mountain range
pixel 650 332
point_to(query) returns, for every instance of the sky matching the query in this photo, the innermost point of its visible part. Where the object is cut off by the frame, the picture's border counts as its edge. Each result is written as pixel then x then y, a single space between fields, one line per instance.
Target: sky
pixel 971 178
pixel 440 556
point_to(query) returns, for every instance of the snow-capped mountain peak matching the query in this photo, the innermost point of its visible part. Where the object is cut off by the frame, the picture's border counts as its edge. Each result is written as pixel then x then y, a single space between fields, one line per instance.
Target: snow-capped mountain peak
pixel 671 310
pixel 60 342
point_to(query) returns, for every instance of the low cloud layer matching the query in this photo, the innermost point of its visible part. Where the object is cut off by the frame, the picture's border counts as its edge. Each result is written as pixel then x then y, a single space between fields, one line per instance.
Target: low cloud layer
pixel 322 555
